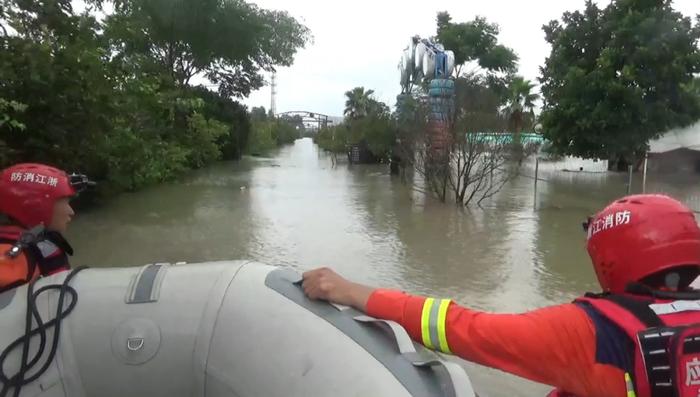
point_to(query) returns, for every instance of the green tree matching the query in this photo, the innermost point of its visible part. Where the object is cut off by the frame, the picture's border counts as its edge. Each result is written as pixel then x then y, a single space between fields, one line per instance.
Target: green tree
pixel 368 123
pixel 285 131
pixel 334 139
pixel 268 132
pixel 695 86
pixel 410 120
pixel 8 114
pixel 229 42
pixel 8 121
pixel 258 114
pixel 618 77
pixel 54 64
pixel 233 114
pixel 104 97
pixel 261 139
pixel 475 41
pixel 376 131
pixel 296 122
pixel 478 105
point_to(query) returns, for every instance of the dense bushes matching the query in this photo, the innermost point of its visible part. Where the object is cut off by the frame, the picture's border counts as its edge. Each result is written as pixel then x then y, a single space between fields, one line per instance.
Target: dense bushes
pixel 113 97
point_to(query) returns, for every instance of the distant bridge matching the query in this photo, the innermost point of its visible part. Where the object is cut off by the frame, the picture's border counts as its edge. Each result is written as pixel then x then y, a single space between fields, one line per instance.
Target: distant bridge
pixel 317 119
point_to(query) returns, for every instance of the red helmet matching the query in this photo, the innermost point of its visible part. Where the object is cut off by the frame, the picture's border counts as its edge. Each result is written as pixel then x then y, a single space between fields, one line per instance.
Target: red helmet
pixel 639 235
pixel 28 192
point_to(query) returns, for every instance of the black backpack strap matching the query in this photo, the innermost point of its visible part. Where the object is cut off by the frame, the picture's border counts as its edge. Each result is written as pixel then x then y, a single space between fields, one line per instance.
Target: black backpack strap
pixel 639 309
pixel 60 241
pixel 33 254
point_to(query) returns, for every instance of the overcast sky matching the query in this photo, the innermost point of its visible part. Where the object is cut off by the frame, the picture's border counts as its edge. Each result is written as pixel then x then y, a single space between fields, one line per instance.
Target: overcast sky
pixel 359 43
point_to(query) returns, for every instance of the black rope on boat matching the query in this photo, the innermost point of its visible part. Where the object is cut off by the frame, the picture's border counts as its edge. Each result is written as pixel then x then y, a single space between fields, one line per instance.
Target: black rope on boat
pixel 22 377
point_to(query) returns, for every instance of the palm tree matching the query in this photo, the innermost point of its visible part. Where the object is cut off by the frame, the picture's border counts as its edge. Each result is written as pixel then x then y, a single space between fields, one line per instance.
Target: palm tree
pixel 358 102
pixel 520 101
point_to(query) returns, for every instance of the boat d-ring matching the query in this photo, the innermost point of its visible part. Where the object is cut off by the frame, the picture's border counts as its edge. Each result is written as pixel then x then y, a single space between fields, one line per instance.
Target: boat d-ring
pixel 136 341
pixel 134 344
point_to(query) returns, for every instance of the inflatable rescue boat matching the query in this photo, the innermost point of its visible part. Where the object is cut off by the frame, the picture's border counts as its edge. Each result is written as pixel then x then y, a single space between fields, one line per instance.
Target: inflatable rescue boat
pixel 210 329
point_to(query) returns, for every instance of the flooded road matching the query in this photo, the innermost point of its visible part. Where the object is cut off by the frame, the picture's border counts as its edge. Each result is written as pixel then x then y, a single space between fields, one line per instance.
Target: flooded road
pixel 296 209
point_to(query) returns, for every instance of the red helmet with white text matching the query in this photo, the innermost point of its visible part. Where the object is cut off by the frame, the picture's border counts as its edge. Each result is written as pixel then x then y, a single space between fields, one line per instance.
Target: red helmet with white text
pixel 641 235
pixel 28 191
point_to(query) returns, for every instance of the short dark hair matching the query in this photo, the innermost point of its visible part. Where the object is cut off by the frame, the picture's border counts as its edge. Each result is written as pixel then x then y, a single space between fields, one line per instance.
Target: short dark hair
pixel 685 276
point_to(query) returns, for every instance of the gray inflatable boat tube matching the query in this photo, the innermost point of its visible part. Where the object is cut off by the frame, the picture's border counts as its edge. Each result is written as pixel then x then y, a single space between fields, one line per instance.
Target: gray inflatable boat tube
pixel 216 329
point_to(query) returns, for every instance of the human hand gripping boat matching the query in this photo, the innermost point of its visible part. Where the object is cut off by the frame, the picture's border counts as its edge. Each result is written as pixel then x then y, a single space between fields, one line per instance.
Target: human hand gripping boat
pixel 231 328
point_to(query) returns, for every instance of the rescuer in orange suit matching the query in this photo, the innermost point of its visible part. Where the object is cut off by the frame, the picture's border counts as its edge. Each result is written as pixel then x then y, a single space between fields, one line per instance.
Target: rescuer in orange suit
pixel 34 213
pixel 639 337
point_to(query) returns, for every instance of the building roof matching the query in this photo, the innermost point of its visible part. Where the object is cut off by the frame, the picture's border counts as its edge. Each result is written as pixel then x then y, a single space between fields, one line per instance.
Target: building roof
pixel 678 138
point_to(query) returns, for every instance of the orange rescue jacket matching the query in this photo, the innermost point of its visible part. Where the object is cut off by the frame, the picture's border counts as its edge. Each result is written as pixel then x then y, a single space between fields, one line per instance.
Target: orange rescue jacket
pixel 15 270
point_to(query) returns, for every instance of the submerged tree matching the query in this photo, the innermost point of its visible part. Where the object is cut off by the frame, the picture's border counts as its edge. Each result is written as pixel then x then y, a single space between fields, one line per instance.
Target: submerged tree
pixel 473 164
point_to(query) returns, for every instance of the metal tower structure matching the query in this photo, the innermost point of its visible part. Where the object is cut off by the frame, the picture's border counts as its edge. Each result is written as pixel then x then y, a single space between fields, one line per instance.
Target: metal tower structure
pixel 425 62
pixel 273 92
